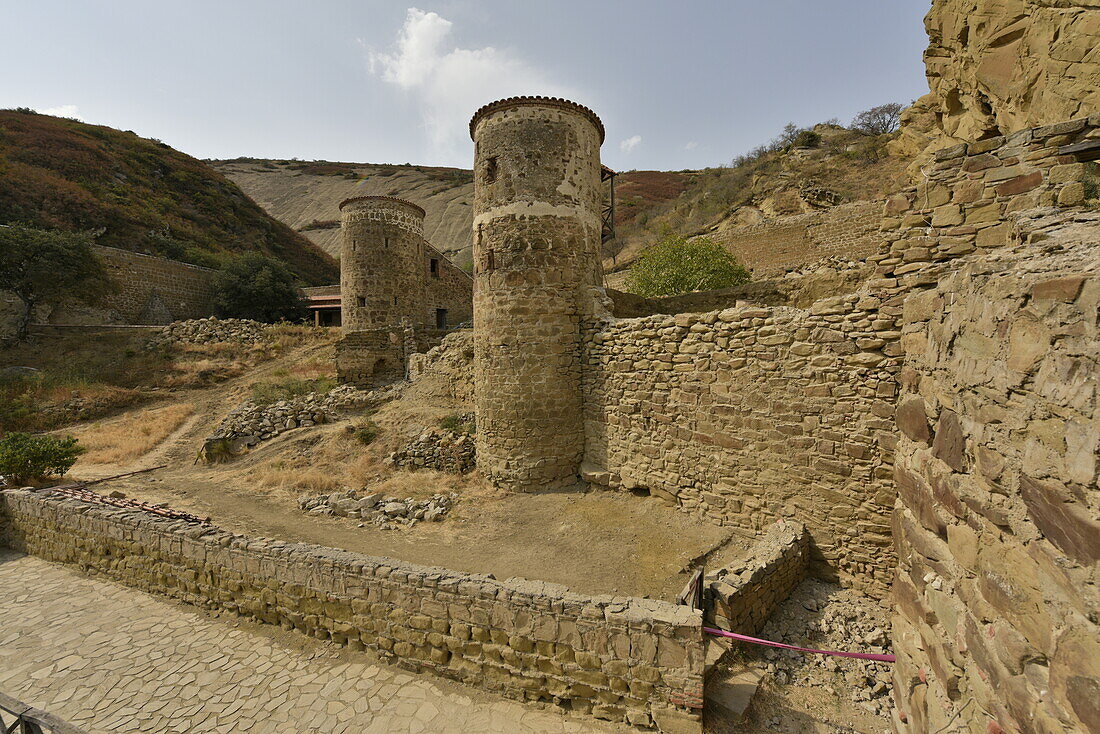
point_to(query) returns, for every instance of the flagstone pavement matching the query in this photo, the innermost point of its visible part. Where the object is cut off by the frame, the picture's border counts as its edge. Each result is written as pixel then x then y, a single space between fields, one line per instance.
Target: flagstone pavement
pixel 112 659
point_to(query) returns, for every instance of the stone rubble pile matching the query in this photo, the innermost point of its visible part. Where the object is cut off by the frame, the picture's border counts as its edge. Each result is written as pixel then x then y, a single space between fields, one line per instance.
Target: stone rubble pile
pixel 210 330
pixel 388 513
pixel 251 423
pixel 826 617
pixel 261 422
pixel 438 449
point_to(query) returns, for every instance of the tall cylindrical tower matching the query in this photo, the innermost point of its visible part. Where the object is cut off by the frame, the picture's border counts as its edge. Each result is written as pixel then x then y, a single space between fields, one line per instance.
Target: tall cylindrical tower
pixel 537 199
pixel 381 260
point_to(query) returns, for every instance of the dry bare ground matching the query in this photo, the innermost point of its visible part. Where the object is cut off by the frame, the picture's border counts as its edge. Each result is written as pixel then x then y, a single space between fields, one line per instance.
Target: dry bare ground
pixel 131 436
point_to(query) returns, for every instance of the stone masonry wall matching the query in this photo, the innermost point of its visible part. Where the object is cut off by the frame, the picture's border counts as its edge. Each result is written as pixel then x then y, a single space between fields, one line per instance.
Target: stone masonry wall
pixel 749 415
pixel 451 288
pixel 744 594
pixel 381 259
pixel 964 203
pixel 996 524
pixel 776 245
pixel 147 290
pixel 616 658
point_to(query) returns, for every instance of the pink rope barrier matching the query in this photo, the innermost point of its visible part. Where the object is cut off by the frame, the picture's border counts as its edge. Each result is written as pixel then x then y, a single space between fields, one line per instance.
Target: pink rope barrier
pixel 769 643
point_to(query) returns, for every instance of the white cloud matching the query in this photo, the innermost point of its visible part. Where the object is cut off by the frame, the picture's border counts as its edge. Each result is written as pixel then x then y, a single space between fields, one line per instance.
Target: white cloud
pixel 65 110
pixel 630 143
pixel 691 145
pixel 450 83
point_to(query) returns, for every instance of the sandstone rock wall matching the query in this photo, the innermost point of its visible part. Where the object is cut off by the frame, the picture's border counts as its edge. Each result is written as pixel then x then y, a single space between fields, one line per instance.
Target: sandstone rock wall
pixel 616 658
pixel 998 66
pixel 996 524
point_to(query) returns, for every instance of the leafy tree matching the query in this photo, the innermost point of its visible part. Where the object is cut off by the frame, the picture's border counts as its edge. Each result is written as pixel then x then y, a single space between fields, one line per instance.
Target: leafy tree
pixel 43 267
pixel 24 456
pixel 257 287
pixel 678 265
pixel 885 118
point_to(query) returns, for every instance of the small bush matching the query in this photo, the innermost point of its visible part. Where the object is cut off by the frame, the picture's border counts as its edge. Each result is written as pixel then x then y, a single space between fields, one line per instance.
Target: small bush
pixel 678 265
pixel 807 139
pixel 24 456
pixel 365 433
pixel 460 423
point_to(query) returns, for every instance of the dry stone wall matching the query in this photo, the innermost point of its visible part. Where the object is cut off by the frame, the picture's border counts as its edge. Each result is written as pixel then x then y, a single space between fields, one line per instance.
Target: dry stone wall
pixel 616 658
pixel 970 192
pixel 749 415
pixel 996 524
pixel 776 245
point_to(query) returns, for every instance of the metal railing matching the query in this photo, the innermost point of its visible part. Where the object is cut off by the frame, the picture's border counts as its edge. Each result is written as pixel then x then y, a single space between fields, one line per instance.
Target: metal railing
pixel 19 718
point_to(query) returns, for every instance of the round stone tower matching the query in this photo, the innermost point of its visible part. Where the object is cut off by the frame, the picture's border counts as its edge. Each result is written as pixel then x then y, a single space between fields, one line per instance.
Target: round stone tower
pixel 537 206
pixel 381 283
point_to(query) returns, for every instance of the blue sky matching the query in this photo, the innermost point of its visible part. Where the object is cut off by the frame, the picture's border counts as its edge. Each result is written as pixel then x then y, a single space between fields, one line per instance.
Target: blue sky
pixel 680 84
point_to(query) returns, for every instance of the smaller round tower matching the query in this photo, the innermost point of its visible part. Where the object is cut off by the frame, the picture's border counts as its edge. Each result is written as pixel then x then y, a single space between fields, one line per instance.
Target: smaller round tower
pixel 381 283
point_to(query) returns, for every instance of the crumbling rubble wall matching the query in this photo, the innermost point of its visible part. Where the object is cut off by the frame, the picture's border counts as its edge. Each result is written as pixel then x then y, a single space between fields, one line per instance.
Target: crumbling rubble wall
pixel 742 595
pixel 617 658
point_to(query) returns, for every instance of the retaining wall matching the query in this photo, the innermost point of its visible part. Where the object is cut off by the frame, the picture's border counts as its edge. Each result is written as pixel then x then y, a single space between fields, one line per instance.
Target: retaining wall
pixel 775 245
pixel 155 290
pixel 616 658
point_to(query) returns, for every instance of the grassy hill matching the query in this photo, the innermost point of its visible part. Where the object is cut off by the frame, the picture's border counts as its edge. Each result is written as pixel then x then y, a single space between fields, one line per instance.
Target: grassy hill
pixel 143 195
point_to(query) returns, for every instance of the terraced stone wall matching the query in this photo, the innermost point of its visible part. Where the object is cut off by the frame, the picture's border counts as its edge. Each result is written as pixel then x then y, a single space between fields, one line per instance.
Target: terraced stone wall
pixel 776 245
pixel 616 658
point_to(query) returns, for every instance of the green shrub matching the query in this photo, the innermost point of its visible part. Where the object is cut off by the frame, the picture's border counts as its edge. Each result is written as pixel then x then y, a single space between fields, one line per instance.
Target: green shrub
pixel 678 265
pixel 366 432
pixel 24 456
pixel 254 286
pixel 807 139
pixel 460 423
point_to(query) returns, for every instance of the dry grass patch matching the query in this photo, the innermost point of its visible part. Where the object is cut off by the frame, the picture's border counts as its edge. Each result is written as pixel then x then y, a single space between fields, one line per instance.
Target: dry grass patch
pixel 124 440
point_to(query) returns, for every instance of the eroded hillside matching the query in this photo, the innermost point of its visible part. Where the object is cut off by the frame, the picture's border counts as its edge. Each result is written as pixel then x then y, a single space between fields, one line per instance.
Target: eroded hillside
pixel 307 196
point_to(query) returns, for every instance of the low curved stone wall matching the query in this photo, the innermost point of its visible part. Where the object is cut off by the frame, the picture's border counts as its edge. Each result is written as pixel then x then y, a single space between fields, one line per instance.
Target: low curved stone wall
pixel 617 658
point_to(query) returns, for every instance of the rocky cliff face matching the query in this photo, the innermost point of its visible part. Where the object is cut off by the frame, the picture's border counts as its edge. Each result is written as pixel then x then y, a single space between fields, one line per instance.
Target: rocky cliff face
pixel 996 66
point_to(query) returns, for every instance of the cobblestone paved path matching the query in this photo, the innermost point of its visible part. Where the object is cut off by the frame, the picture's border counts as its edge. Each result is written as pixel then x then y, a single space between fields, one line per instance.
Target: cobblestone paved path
pixel 112 659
